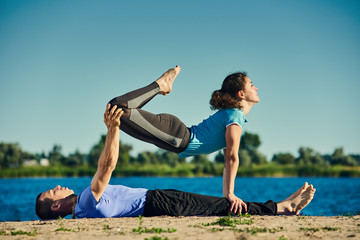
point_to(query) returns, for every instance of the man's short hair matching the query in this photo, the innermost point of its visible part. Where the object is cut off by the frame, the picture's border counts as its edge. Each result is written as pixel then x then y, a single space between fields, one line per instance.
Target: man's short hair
pixel 43 209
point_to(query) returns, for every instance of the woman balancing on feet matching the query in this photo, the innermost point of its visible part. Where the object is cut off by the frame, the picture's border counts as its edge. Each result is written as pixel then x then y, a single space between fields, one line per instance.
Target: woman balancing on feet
pixel 222 130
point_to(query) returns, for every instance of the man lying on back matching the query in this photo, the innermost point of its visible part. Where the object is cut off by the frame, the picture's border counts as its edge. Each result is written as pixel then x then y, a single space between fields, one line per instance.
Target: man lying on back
pixel 102 200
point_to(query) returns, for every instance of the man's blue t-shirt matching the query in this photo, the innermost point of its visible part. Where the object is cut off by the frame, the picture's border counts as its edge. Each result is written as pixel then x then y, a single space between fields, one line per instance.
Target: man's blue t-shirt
pixel 116 201
pixel 209 135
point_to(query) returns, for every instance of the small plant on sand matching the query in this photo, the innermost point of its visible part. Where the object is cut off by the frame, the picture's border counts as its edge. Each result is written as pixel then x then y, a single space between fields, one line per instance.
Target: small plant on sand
pixel 156 238
pixel 106 229
pixel 256 230
pixel 309 229
pixel 325 229
pixel 140 229
pixel 232 221
pixel 21 232
pixel 62 228
pixel 328 229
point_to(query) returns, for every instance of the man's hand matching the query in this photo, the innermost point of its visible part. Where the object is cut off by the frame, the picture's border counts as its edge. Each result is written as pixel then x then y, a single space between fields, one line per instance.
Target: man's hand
pixel 112 116
pixel 236 204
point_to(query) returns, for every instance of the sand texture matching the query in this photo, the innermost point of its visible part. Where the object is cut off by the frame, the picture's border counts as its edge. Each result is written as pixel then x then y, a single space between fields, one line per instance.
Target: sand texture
pixel 253 227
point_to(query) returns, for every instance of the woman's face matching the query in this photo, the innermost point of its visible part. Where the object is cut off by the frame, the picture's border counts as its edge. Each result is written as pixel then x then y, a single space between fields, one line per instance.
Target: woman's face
pixel 250 92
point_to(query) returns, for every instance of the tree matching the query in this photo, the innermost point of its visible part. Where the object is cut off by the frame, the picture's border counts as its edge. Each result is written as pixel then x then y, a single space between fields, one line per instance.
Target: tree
pixel 75 159
pixel 147 158
pixel 339 158
pixel 283 158
pixel 219 158
pixel 244 158
pixel 10 155
pixel 307 156
pixel 124 154
pixel 95 152
pixel 203 165
pixel 257 157
pixel 200 159
pixel 250 141
pixel 55 156
pixel 249 144
pixel 166 157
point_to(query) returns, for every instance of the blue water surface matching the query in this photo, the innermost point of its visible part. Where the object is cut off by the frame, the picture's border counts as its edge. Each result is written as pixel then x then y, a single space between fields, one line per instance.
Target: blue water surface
pixel 334 196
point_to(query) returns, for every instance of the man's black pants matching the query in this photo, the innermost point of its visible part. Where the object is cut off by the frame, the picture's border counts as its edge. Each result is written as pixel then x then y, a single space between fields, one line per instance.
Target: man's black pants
pixel 177 203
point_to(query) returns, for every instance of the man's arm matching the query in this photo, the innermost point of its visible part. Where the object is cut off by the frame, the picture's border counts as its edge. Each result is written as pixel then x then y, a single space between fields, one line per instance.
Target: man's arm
pixel 232 136
pixel 110 153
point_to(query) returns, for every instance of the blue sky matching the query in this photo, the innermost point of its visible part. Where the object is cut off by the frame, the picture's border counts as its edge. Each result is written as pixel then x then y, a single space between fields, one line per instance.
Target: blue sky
pixel 61 61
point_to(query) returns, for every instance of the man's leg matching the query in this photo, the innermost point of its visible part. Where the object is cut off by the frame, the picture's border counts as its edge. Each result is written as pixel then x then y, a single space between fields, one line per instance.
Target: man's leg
pixel 163 130
pixel 178 203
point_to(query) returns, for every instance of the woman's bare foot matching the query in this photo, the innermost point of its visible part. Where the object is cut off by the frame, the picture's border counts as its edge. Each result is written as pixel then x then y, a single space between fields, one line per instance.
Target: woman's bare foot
pixel 166 80
pixel 297 201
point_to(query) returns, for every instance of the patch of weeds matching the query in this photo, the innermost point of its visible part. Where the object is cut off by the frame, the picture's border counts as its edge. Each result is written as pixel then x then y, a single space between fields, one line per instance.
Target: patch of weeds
pixel 328 229
pixel 232 221
pixel 301 217
pixel 62 228
pixel 331 229
pixel 140 229
pixel 309 229
pixel 106 228
pixel 82 229
pixel 156 238
pixel 21 232
pixel 256 230
pixel 349 215
pixel 282 238
pixel 217 229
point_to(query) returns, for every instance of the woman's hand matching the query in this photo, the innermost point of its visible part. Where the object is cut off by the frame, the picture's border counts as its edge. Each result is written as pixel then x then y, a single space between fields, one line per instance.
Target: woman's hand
pixel 236 204
pixel 112 116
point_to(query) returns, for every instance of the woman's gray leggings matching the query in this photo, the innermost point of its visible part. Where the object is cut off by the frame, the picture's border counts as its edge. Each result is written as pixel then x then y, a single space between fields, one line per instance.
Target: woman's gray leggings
pixel 163 130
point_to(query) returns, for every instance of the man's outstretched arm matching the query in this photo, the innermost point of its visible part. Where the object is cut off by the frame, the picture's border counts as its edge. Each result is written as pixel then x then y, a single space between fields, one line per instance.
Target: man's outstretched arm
pixel 110 153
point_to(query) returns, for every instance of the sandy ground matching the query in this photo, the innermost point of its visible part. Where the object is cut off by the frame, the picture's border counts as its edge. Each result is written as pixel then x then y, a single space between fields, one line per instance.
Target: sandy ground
pixel 254 227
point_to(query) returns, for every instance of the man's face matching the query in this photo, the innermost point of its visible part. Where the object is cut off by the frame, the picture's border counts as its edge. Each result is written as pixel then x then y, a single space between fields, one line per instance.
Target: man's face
pixel 57 193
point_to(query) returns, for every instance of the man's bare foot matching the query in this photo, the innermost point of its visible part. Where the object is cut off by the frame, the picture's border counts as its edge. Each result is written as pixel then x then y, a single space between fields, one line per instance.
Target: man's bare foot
pixel 297 201
pixel 166 80
pixel 300 190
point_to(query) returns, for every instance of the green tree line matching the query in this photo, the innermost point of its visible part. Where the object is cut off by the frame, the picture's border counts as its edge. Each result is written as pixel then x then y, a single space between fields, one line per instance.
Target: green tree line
pixel 252 162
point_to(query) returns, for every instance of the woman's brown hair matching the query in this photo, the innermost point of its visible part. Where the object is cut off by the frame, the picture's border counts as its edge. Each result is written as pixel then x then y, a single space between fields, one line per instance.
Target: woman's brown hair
pixel 226 97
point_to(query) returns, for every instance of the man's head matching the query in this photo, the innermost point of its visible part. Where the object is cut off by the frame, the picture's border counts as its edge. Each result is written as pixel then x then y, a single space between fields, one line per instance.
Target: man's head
pixel 54 203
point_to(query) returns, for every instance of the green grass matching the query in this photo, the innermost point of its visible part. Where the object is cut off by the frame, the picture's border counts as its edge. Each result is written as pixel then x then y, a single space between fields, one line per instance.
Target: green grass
pixel 232 221
pixel 141 229
pixel 20 232
pixel 309 229
pixel 156 238
pixel 325 229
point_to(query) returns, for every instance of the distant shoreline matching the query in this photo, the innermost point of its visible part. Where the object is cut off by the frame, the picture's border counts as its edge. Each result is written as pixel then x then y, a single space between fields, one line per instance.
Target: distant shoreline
pixel 187 170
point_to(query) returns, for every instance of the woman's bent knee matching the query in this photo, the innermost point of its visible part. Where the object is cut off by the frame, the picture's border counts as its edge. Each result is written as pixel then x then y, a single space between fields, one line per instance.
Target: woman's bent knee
pixel 119 101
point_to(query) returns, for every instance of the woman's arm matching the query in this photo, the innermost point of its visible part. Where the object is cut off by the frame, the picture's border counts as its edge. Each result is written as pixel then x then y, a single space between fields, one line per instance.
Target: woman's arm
pixel 232 136
pixel 110 153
